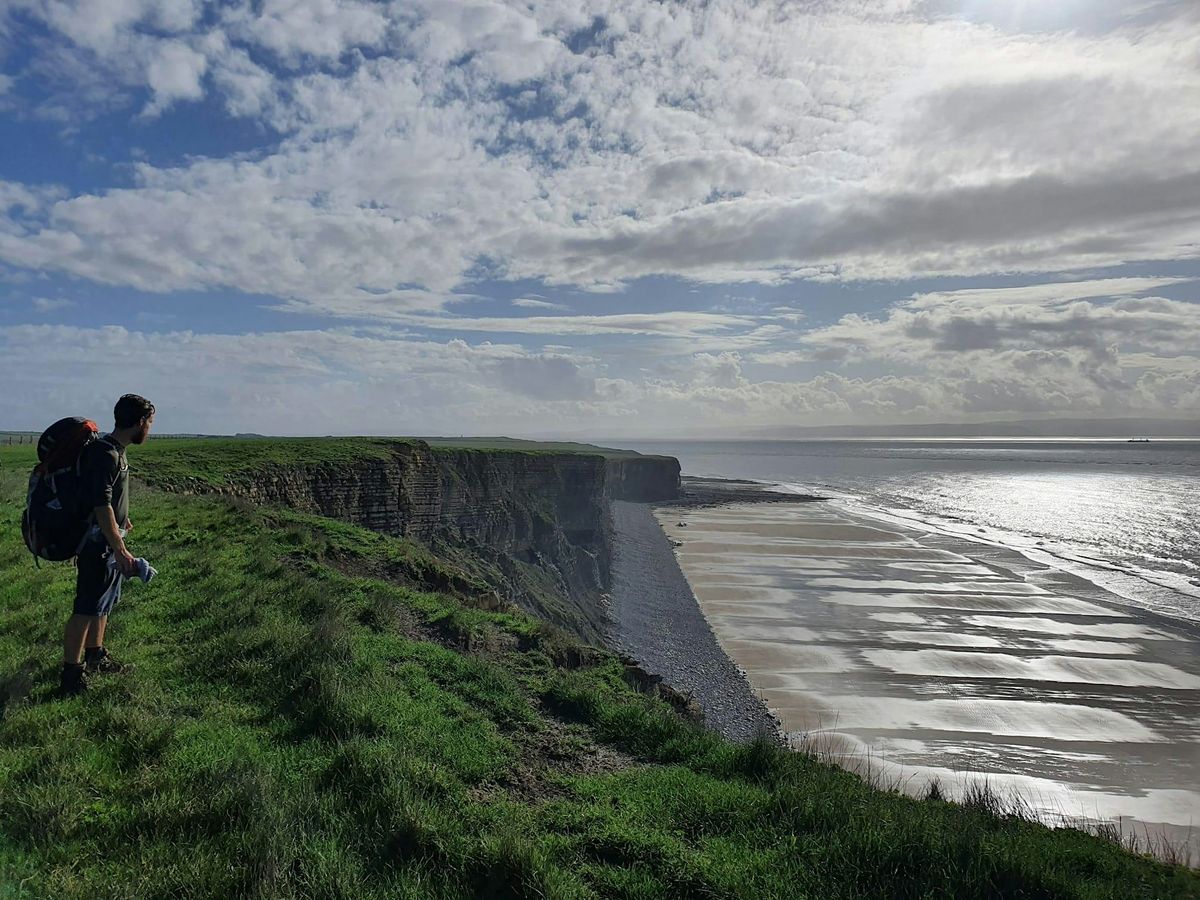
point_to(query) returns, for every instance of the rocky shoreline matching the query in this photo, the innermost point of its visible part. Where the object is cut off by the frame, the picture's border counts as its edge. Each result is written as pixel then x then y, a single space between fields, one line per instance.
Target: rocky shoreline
pixel 655 619
pixel 695 493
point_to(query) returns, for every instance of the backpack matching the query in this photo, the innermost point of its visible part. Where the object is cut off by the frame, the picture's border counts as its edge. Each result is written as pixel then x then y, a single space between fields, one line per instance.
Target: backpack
pixel 54 523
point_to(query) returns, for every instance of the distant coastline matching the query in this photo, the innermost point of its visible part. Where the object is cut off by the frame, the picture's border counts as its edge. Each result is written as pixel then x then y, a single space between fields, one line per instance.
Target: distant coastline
pixel 1065 429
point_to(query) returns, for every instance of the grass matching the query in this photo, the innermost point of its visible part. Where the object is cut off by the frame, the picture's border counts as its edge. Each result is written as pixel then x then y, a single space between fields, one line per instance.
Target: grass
pixel 180 462
pixel 320 711
pixel 215 461
pixel 518 444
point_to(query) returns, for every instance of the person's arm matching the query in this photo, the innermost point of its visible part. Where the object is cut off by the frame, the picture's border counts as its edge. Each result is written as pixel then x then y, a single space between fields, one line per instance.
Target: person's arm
pixel 107 521
pixel 100 469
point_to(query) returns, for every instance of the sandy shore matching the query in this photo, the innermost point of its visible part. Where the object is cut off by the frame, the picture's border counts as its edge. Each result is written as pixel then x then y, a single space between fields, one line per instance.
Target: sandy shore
pixel 655 620
pixel 942 659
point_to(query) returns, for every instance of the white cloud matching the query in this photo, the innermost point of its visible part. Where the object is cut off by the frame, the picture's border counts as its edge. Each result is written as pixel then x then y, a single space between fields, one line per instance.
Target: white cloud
pixel 51 304
pixel 953 325
pixel 104 25
pixel 295 29
pixel 1089 347
pixel 504 41
pixel 249 90
pixel 1035 223
pixel 1044 294
pixel 18 200
pixel 672 324
pixel 174 74
pixel 781 357
pixel 537 303
pixel 339 382
pixel 385 382
pixel 734 142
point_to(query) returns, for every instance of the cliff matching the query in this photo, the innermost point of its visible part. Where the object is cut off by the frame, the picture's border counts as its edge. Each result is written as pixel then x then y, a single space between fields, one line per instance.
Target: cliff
pixel 643 479
pixel 538 521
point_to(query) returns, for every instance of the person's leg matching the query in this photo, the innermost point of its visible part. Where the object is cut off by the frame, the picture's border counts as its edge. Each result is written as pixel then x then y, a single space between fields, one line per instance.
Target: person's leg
pixel 78 629
pixel 90 578
pixel 95 634
pixel 96 658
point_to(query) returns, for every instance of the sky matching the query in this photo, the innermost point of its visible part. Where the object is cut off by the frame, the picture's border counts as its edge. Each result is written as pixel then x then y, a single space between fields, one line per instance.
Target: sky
pixel 626 218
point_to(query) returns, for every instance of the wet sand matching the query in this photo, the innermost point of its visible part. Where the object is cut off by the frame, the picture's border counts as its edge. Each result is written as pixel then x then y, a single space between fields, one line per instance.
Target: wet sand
pixel 937 658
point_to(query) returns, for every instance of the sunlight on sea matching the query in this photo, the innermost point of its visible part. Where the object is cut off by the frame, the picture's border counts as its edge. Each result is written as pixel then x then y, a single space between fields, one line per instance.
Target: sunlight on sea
pixel 1117 513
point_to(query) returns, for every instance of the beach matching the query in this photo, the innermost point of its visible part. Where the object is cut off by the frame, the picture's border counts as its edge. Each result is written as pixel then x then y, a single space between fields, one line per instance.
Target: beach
pixel 656 621
pixel 928 658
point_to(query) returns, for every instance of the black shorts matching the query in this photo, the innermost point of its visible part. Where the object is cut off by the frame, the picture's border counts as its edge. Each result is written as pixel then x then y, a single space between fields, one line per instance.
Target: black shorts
pixel 94 593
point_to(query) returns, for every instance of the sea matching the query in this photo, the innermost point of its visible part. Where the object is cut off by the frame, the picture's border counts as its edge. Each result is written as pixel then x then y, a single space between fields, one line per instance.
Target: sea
pixel 1124 515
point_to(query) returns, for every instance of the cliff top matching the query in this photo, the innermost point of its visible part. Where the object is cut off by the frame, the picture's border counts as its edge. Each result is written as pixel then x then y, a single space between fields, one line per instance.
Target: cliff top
pixel 526 446
pixel 213 460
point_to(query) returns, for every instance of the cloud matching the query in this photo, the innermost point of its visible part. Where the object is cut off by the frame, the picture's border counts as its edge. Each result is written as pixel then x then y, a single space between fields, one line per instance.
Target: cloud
pixel 173 74
pixel 50 304
pixel 302 382
pixel 671 324
pixel 410 155
pixel 102 25
pixel 413 145
pixel 1044 294
pixel 546 378
pixel 533 303
pixel 20 200
pixel 502 42
pixel 1036 223
pixel 781 357
pixel 344 381
pixel 296 30
pixel 100 53
pixel 1038 349
pixel 952 325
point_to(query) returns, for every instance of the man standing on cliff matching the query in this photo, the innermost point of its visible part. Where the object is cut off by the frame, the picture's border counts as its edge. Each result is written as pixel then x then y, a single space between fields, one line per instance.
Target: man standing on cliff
pixel 105 486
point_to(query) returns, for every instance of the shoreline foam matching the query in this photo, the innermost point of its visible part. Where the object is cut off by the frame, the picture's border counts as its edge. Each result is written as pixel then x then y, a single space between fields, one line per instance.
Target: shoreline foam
pixel 1120 581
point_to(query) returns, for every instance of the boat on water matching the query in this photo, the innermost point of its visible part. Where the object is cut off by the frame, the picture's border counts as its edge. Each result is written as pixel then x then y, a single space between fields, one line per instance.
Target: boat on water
pixel 1138 441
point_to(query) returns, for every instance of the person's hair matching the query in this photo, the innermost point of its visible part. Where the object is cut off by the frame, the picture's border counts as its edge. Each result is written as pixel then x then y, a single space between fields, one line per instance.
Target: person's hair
pixel 131 409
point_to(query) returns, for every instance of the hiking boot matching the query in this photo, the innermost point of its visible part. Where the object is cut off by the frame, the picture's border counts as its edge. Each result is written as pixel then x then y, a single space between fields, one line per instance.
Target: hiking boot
pixel 74 682
pixel 98 662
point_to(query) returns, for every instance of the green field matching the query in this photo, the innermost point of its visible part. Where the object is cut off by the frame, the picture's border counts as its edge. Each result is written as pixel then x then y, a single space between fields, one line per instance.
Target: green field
pixel 214 461
pixel 306 721
pixel 506 443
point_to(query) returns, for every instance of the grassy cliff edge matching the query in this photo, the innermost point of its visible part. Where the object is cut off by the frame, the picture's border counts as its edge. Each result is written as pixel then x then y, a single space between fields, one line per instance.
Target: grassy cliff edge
pixel 319 710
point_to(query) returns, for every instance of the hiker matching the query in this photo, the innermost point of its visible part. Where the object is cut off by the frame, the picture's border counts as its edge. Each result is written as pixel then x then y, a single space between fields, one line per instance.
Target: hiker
pixel 103 559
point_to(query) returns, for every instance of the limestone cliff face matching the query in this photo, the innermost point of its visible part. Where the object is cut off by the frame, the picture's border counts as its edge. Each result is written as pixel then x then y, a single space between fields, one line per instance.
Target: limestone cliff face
pixel 540 519
pixel 643 479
